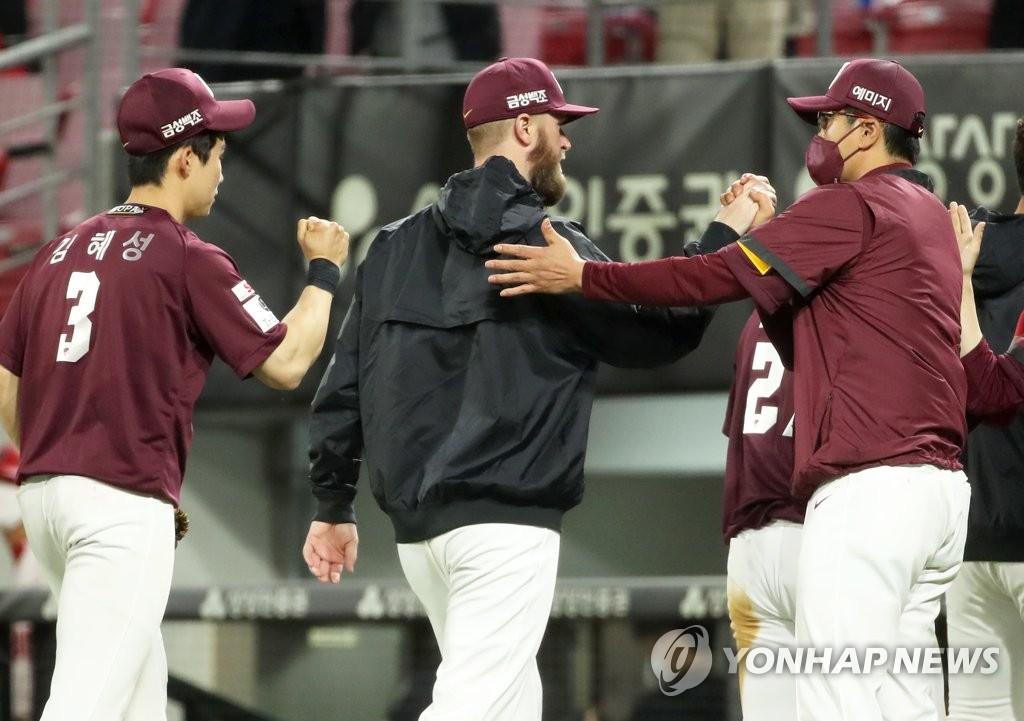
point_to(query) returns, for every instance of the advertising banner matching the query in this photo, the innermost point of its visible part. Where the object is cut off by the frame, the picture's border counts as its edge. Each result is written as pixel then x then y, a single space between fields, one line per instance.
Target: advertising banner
pixel 644 174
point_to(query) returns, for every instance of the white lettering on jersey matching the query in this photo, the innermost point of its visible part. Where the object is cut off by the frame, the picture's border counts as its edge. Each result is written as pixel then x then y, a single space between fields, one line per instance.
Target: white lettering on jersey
pixel 62 249
pixel 136 245
pixel 99 244
pixel 260 313
pixel 760 417
pixel 83 287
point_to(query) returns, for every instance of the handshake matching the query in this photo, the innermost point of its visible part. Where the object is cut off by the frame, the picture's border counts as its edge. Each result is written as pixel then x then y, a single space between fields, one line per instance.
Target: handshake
pixel 747 203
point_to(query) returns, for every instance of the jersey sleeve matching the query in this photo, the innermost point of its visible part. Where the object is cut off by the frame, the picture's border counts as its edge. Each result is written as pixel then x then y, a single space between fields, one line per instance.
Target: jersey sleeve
pixel 335 425
pixel 802 247
pixel 995 383
pixel 227 312
pixel 623 334
pixel 697 280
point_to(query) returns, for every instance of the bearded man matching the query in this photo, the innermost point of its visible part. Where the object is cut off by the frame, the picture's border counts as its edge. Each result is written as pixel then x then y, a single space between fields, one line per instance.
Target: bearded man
pixel 472 412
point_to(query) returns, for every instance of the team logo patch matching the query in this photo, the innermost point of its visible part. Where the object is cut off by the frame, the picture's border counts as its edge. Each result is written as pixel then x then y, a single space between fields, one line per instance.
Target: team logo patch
pixel 260 313
pixel 127 209
pixel 243 290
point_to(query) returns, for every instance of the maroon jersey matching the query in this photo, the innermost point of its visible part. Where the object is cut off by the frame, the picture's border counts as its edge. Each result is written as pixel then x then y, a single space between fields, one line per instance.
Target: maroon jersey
pixel 759 424
pixel 112 333
pixel 871 273
pixel 995 384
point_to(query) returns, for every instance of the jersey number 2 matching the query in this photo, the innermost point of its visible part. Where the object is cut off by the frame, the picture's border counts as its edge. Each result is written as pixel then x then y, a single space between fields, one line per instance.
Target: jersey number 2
pixel 762 419
pixel 83 287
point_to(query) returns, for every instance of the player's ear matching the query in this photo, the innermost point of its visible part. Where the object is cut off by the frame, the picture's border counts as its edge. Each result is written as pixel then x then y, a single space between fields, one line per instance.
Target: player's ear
pixel 181 161
pixel 524 129
pixel 870 132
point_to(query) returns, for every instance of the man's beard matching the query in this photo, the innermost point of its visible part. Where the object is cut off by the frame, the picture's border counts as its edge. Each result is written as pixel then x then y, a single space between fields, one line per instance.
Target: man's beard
pixel 546 178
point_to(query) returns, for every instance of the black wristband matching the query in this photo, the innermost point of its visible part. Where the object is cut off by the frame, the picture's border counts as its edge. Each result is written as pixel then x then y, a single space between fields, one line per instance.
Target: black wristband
pixel 323 274
pixel 716 236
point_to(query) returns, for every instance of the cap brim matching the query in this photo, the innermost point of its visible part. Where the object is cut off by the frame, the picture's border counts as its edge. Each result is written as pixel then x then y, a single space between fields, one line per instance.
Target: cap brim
pixel 809 107
pixel 232 115
pixel 571 112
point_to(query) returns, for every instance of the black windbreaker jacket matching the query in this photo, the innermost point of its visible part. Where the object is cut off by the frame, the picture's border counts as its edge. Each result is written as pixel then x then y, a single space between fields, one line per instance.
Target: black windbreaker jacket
pixel 469 407
pixel 995 455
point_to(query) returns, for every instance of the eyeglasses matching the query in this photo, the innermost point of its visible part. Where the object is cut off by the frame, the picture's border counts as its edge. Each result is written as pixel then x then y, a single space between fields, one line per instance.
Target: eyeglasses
pixel 824 118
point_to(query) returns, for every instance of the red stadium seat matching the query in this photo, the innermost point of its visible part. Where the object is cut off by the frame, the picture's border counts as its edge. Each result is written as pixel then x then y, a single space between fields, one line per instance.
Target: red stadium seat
pixel 149 11
pixel 923 26
pixel 630 36
pixel 910 26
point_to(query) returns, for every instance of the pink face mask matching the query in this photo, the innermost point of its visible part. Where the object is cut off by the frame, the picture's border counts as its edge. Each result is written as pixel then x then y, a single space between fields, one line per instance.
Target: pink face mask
pixel 824 161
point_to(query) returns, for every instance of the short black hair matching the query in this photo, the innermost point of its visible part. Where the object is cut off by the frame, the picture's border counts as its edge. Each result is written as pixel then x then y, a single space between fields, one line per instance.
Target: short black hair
pixel 1018 154
pixel 902 143
pixel 149 169
pixel 899 143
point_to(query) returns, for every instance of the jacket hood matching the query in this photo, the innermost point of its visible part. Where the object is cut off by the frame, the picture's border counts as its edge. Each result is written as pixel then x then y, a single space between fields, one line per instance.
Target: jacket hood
pixel 1000 266
pixel 488 204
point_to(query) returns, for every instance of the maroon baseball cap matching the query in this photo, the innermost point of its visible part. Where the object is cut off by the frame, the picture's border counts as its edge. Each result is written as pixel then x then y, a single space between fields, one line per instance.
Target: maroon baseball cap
pixel 512 86
pixel 882 88
pixel 163 108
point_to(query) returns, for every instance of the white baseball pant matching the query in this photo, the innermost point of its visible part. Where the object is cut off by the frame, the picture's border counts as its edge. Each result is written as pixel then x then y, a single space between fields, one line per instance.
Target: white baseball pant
pixel 985 608
pixel 761 585
pixel 880 547
pixel 108 555
pixel 487 590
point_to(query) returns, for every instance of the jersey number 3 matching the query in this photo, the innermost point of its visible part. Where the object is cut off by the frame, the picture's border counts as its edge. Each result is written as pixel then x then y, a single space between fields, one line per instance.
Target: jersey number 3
pixel 83 287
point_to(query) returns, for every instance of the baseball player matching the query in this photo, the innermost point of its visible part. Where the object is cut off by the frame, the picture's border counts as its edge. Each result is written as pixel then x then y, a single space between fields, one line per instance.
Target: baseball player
pixel 859 278
pixel 472 412
pixel 104 349
pixel 762 521
pixel 985 604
